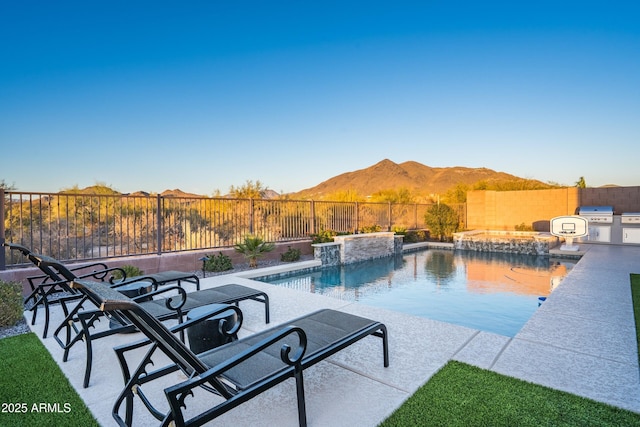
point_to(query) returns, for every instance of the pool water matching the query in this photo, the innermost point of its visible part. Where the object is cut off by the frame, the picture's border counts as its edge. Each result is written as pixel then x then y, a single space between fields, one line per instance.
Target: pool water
pixel 493 292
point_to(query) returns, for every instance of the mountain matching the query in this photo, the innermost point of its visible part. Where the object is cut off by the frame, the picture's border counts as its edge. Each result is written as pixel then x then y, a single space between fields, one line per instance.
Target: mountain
pixel 178 193
pixel 423 182
pixel 419 179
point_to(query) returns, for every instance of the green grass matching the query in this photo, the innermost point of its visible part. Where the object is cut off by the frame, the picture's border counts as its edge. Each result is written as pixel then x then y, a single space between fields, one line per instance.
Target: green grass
pixel 463 395
pixel 457 395
pixel 33 390
pixel 635 295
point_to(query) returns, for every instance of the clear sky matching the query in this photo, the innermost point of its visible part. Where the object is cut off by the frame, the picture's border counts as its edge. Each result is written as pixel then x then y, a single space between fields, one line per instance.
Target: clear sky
pixel 202 95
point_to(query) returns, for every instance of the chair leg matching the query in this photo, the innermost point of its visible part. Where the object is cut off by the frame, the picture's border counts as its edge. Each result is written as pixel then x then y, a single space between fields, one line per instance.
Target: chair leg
pixel 45 331
pixel 302 411
pixel 35 313
pixel 266 309
pixel 89 345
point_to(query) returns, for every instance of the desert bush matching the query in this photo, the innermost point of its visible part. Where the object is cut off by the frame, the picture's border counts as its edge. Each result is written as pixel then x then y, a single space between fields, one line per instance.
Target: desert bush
pixel 253 248
pixel 415 236
pixel 11 305
pixel 323 236
pixel 371 229
pixel 290 255
pixel 523 227
pixel 442 221
pixel 399 229
pixel 221 262
pixel 129 270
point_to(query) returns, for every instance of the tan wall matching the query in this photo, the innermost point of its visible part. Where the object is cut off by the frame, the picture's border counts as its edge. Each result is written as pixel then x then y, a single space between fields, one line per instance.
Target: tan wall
pixel 623 199
pixel 503 210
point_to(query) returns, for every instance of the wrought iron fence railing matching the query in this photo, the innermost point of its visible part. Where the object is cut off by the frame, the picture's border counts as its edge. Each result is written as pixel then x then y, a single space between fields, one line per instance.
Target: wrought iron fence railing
pixel 72 226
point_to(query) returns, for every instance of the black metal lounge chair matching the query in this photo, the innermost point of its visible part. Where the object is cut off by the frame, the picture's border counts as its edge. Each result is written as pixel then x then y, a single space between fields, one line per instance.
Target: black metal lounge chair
pixel 237 371
pixel 51 288
pixel 171 307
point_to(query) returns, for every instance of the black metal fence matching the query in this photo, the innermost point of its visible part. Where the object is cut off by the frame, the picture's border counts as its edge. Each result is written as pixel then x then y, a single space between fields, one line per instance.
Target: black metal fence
pixel 71 226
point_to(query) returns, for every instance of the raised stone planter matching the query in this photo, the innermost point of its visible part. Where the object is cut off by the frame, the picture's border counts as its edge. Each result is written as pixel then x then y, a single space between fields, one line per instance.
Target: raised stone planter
pixel 357 247
pixel 515 242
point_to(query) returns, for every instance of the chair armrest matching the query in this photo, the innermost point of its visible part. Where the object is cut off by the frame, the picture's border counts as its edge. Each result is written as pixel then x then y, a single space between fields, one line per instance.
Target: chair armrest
pixel 177 393
pixel 168 300
pixel 100 274
pixel 124 348
pixel 124 282
pixel 97 266
pixel 182 326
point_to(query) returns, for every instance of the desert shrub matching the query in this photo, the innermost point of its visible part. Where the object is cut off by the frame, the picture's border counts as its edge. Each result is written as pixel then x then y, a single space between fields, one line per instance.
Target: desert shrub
pixel 129 270
pixel 415 236
pixel 523 227
pixel 11 305
pixel 323 236
pixel 253 248
pixel 220 262
pixel 290 255
pixel 442 221
pixel 371 229
pixel 399 229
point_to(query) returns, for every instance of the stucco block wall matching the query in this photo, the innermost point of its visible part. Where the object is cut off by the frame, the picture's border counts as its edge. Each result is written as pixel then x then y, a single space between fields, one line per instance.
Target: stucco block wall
pixel 623 199
pixel 503 210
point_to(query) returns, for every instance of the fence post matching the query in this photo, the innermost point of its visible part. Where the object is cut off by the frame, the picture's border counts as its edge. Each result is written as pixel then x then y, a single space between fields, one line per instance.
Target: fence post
pixel 159 221
pixel 313 216
pixel 3 261
pixel 251 207
pixel 357 219
pixel 389 217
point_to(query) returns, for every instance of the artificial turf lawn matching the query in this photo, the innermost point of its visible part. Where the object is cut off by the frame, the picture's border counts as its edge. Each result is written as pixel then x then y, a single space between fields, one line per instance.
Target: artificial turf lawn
pixel 34 391
pixel 463 395
pixel 635 296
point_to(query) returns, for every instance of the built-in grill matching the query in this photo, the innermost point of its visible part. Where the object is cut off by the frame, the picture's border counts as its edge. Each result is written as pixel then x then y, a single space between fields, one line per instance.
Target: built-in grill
pixel 597 214
pixel 630 218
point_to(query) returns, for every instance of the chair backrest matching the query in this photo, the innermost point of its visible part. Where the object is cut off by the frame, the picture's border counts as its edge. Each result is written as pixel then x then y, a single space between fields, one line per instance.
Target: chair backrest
pixel 108 299
pixel 44 263
pixel 16 247
pixel 52 268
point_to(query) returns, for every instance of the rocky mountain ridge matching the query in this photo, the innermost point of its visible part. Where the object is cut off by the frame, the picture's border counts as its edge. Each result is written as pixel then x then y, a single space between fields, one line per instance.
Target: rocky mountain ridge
pixel 420 179
pixel 416 177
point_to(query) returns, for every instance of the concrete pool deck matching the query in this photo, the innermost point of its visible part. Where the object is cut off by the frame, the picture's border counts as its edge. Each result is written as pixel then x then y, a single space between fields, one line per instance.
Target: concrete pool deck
pixel 581 340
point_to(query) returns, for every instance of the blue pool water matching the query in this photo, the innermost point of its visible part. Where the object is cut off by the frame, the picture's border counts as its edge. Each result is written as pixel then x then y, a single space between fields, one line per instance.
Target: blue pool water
pixel 493 292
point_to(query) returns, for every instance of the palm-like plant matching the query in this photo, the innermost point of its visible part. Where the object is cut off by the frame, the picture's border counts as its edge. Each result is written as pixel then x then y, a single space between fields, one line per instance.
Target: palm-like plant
pixel 253 248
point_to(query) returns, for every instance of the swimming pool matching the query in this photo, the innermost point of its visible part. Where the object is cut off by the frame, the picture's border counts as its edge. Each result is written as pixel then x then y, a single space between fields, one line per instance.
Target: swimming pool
pixel 494 292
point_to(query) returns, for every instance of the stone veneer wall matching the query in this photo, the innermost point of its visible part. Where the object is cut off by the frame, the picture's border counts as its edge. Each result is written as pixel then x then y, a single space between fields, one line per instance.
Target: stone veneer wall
pixel 327 253
pixel 514 242
pixel 357 247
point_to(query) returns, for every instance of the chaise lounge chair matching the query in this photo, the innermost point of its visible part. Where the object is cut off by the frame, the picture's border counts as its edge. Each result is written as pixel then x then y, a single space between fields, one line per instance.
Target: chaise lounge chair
pixel 79 324
pixel 237 371
pixel 49 288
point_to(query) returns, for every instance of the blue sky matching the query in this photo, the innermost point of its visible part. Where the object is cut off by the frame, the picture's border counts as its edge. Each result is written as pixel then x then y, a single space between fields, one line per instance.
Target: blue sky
pixel 204 95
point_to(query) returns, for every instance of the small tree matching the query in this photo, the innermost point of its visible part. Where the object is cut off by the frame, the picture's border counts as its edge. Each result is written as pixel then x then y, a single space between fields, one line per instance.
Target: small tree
pixel 249 190
pixel 253 248
pixel 442 221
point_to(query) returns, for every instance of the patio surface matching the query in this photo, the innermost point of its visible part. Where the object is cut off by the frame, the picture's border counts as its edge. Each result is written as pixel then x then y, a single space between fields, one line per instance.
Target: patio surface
pixel 581 340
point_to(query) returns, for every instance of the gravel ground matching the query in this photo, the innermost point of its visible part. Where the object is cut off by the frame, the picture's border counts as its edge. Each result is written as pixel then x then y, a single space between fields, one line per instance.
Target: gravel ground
pixel 19 328
pixel 22 327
